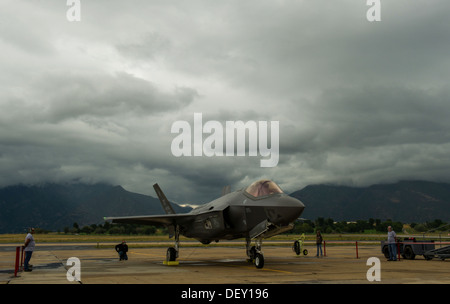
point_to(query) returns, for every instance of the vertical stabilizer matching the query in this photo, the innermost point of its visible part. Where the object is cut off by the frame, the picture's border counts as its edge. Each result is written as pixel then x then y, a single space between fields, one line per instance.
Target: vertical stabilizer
pixel 226 190
pixel 163 199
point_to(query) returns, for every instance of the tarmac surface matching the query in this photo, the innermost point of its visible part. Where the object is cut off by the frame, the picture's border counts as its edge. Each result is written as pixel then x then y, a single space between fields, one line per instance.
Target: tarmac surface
pixel 218 265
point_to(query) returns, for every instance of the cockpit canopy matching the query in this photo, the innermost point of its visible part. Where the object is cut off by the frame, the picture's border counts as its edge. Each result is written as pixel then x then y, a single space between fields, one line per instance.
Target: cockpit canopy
pixel 263 187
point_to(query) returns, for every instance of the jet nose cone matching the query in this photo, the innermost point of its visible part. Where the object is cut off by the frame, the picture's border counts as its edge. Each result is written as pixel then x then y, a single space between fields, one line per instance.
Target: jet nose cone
pixel 291 209
pixel 293 202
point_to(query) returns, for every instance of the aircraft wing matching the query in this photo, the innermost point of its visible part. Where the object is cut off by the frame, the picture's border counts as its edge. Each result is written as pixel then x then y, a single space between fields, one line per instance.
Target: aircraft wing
pixel 156 220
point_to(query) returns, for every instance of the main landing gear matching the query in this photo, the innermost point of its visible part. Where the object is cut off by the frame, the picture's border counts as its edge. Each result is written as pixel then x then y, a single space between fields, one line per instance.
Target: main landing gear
pixel 172 252
pixel 254 253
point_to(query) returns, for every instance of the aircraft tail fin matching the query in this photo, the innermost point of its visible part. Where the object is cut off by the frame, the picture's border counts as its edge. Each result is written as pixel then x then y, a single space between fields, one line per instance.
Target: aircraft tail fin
pixel 226 190
pixel 163 199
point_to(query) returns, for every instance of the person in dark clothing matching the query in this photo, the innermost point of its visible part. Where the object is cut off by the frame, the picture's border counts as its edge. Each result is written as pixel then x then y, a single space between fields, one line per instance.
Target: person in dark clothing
pixel 122 250
pixel 319 240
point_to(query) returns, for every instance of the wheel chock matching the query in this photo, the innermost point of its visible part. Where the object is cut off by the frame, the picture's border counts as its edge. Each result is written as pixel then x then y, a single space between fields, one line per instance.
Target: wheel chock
pixel 171 263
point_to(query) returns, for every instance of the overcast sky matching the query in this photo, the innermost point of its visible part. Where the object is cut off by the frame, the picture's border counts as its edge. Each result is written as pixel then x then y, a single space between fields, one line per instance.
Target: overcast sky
pixel 357 102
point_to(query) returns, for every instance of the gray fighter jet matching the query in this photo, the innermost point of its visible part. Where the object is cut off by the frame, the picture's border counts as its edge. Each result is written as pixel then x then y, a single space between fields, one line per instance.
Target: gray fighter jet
pixel 260 211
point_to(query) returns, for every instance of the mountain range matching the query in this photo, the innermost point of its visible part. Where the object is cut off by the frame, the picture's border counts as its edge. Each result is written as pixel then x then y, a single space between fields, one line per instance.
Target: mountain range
pixel 55 206
pixel 404 201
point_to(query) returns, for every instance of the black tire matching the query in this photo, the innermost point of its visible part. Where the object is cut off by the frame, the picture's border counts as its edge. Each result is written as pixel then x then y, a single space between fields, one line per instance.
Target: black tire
pixel 305 251
pixel 259 260
pixel 296 247
pixel 409 253
pixel 252 253
pixel 386 252
pixel 171 254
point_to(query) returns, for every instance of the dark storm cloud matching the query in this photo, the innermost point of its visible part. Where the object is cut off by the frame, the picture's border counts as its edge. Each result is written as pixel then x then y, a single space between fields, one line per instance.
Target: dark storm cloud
pixel 357 102
pixel 73 96
pixel 371 116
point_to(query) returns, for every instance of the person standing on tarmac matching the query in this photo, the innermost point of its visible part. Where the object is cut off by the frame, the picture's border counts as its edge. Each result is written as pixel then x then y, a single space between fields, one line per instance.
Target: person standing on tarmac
pixel 122 250
pixel 319 240
pixel 392 244
pixel 29 248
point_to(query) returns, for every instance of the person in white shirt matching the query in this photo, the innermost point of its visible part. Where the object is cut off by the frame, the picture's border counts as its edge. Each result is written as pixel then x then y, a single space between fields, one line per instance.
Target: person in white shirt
pixel 28 248
pixel 392 244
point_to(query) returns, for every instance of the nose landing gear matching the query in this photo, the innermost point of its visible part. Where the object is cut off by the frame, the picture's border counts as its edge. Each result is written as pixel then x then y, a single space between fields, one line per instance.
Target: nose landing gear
pixel 254 253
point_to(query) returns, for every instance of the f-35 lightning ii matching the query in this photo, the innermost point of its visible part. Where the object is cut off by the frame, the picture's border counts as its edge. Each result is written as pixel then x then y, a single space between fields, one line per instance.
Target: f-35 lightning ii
pixel 259 211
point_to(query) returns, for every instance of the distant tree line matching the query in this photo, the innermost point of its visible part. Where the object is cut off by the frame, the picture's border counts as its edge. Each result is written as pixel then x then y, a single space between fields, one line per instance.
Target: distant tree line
pixel 301 226
pixel 108 228
pixel 361 226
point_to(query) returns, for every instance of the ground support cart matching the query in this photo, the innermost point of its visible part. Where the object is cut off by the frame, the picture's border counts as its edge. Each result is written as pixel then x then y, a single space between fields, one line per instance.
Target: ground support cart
pixel 298 246
pixel 409 248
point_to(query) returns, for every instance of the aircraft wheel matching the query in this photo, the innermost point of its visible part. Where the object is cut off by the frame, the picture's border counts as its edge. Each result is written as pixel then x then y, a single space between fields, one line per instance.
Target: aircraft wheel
pixel 296 247
pixel 259 260
pixel 252 252
pixel 171 254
